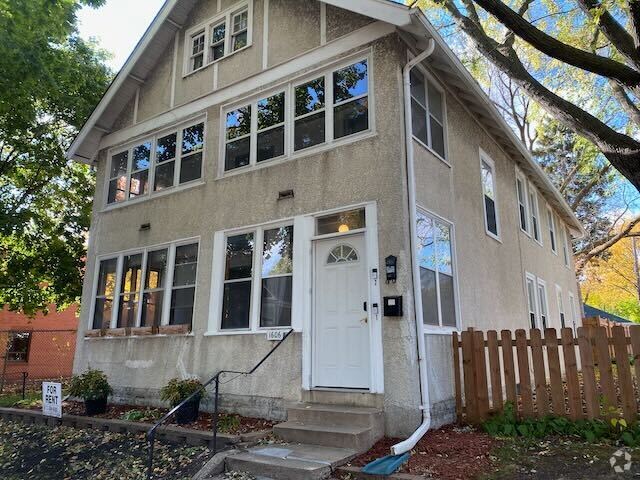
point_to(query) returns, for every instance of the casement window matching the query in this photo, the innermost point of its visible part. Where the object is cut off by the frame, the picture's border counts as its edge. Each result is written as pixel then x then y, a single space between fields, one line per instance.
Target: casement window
pixel 532 300
pixel 155 286
pixel 322 110
pixel 551 220
pixel 437 281
pixel 163 162
pixel 544 305
pixel 427 112
pixel 18 346
pixel 258 271
pixel 487 174
pixel 218 37
pixel 560 301
pixel 565 246
pixel 523 210
pixel 535 215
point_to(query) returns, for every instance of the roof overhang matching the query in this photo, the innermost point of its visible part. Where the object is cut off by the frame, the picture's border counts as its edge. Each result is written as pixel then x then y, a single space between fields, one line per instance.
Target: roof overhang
pixel 412 24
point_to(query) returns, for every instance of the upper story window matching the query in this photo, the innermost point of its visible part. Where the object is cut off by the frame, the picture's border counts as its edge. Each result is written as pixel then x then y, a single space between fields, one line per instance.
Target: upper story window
pixel 299 116
pixel 437 281
pixel 551 220
pixel 565 246
pixel 155 286
pixel 427 113
pixel 523 209
pixel 489 196
pixel 535 215
pixel 158 163
pixel 219 37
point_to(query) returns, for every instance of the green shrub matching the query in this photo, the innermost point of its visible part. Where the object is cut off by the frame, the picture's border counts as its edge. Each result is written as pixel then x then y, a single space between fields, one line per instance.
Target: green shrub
pixel 177 390
pixel 507 424
pixel 91 385
pixel 145 415
pixel 228 423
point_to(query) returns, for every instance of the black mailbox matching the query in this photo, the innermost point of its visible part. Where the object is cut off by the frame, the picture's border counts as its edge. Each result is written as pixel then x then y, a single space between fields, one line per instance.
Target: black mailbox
pixel 393 306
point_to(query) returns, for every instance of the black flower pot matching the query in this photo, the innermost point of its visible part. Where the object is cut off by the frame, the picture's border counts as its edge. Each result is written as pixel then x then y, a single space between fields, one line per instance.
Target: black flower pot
pixel 95 406
pixel 188 413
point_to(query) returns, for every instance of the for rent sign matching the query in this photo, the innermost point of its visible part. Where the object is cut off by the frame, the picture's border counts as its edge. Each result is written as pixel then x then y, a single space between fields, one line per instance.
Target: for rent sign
pixel 52 399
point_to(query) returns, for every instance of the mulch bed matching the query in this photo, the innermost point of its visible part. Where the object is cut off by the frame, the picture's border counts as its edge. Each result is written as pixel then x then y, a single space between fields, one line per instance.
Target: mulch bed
pixel 227 423
pixel 450 453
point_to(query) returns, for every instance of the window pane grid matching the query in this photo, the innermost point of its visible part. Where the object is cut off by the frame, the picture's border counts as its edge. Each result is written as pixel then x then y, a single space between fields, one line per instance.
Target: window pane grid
pixel 427 102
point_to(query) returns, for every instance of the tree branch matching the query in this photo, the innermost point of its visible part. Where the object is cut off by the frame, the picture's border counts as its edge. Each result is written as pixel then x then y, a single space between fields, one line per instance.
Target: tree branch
pixel 621 150
pixel 605 244
pixel 630 108
pixel 567 180
pixel 612 29
pixel 554 48
pixel 634 11
pixel 589 187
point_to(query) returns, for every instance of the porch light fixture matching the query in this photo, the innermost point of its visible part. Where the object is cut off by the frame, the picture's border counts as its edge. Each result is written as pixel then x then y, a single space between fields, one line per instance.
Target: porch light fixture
pixel 343 228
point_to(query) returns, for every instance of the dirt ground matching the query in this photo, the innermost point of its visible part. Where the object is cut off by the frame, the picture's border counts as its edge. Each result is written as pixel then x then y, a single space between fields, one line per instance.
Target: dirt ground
pixel 39 452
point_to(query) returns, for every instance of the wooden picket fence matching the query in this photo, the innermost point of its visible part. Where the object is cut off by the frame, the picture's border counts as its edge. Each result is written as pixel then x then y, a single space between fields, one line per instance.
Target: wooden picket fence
pixel 585 377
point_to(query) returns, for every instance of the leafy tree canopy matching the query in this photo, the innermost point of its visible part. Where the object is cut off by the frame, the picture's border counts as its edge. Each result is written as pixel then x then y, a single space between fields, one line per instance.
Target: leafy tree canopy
pixel 51 79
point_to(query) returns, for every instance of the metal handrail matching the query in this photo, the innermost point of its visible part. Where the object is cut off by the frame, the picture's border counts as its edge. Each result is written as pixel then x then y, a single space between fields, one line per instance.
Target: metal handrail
pixel 151 433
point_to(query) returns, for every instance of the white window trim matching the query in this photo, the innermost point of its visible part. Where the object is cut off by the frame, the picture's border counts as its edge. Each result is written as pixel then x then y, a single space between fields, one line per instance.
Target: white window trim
pixel 218 280
pixel 523 181
pixel 153 137
pixel 207 27
pixel 443 329
pixel 289 124
pixel 486 159
pixel 566 252
pixel 561 306
pixel 551 220
pixel 431 79
pixel 543 300
pixel 575 315
pixel 530 277
pixel 171 248
pixel 534 207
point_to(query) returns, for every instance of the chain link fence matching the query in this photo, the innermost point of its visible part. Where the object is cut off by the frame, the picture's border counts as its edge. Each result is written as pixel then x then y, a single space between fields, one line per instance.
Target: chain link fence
pixel 30 357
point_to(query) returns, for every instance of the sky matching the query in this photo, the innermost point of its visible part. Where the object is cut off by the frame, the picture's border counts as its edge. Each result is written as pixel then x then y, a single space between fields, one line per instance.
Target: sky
pixel 118 25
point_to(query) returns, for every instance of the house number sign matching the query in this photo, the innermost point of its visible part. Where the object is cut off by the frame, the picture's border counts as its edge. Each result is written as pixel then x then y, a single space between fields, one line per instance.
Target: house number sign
pixel 275 335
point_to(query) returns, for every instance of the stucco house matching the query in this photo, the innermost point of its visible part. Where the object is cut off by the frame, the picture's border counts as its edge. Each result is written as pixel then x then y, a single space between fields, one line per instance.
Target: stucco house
pixel 323 166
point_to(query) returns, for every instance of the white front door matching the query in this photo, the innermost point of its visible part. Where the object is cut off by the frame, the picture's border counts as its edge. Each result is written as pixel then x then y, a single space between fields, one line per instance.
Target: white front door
pixel 341 332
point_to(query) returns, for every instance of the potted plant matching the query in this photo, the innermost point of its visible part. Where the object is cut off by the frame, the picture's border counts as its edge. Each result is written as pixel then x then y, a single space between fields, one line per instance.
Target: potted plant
pixel 92 386
pixel 178 390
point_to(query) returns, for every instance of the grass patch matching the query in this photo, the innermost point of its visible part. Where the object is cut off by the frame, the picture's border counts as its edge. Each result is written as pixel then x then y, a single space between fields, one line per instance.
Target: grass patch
pixel 11 399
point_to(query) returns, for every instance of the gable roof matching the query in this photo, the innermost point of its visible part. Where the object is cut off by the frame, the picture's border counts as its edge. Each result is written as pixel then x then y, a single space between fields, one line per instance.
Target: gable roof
pixel 410 22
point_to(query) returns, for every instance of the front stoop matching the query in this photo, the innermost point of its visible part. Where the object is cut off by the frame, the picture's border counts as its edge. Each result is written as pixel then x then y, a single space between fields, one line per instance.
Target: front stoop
pixel 290 461
pixel 320 438
pixel 354 428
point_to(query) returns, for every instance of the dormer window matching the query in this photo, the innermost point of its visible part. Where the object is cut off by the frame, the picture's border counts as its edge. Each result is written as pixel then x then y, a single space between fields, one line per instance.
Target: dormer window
pixel 219 37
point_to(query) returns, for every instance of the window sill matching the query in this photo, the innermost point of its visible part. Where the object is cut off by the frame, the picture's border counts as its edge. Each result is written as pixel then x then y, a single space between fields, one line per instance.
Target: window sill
pixel 432 151
pixel 138 332
pixel 493 236
pixel 204 67
pixel 151 196
pixel 433 330
pixel 226 333
pixel 356 137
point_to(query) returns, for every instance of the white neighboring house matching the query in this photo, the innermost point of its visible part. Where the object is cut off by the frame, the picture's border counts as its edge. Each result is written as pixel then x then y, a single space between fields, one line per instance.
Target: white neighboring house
pixel 261 166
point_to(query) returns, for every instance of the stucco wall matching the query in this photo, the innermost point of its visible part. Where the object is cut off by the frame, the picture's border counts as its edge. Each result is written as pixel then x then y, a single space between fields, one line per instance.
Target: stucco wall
pixel 370 169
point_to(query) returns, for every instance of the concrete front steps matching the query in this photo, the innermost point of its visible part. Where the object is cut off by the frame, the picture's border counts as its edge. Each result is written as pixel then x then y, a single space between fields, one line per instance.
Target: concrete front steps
pixel 319 438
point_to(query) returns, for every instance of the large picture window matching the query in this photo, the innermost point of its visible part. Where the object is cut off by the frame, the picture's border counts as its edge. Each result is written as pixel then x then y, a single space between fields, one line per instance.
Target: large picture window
pixel 224 35
pixel 155 287
pixel 321 110
pixel 170 159
pixel 270 282
pixel 437 281
pixel 427 113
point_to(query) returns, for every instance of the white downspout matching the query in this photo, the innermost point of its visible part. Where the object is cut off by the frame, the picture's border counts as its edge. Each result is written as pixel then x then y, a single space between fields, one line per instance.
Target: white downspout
pixel 410 442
